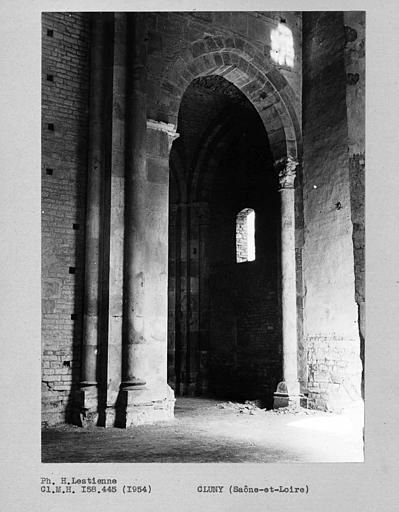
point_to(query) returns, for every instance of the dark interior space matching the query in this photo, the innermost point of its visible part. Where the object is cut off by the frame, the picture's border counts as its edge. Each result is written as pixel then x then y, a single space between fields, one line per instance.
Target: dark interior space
pixel 224 316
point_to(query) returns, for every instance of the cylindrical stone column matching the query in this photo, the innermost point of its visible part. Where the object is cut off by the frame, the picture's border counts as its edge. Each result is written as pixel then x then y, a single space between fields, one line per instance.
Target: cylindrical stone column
pixel 135 217
pixel 88 393
pixel 96 162
pixel 114 243
pixel 288 390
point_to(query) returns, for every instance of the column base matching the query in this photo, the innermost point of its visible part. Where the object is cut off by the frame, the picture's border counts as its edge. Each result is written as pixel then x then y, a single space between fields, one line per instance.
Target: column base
pixel 131 410
pixel 110 417
pixel 86 409
pixel 287 395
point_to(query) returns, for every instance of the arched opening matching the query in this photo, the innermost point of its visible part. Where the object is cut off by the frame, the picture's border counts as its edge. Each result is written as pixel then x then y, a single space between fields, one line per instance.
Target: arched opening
pixel 245 235
pixel 224 318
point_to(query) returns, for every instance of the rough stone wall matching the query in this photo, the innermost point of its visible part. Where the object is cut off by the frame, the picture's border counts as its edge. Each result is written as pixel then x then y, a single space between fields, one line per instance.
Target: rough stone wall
pixel 64 129
pixel 355 62
pixel 330 312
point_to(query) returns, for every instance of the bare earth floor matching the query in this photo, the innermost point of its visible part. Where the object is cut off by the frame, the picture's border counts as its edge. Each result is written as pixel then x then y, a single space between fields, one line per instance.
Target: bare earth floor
pixel 207 430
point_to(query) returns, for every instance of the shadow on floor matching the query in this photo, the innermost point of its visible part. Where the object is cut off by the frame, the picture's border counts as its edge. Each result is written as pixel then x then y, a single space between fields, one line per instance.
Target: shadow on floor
pixel 206 430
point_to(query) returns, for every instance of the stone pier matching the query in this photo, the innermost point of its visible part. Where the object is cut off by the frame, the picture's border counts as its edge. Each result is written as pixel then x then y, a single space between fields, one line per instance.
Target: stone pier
pixel 125 321
pixel 144 395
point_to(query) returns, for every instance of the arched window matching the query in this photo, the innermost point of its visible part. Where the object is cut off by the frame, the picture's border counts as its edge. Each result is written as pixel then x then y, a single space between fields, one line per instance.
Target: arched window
pixel 245 235
pixel 282 45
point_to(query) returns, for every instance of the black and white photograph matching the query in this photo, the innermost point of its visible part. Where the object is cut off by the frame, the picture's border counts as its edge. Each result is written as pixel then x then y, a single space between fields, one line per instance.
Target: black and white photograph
pixel 199 276
pixel 203 236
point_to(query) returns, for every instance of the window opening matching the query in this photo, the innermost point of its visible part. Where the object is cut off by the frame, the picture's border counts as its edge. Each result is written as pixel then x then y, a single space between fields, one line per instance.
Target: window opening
pixel 245 235
pixel 282 45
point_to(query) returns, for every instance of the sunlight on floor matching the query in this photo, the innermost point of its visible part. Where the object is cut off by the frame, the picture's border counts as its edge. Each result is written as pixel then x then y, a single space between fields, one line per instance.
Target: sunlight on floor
pixel 333 424
pixel 207 430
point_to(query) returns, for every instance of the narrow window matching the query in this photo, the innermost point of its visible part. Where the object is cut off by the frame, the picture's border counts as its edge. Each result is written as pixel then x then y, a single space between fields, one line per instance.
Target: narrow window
pixel 282 46
pixel 245 235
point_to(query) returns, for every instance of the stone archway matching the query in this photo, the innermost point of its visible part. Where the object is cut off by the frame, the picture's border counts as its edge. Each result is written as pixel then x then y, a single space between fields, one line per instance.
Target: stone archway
pixel 252 84
pixel 256 76
pixel 253 73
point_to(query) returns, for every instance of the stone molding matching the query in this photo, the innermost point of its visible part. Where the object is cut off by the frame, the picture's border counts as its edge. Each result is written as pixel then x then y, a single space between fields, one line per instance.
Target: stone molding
pixel 286 171
pixel 168 128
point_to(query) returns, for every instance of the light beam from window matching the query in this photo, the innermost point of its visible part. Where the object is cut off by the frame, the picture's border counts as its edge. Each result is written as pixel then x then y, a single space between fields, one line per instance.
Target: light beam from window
pixel 282 46
pixel 245 235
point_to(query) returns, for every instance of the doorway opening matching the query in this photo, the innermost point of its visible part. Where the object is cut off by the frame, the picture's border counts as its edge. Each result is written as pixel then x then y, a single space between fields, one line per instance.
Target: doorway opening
pixel 224 330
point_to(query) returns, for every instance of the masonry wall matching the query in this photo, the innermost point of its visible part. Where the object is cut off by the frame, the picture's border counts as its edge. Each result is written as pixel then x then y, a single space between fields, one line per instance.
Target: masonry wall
pixel 65 78
pixel 355 63
pixel 177 39
pixel 330 311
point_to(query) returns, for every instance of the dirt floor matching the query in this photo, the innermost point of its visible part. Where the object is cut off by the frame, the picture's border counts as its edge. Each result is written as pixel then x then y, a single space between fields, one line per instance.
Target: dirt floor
pixel 206 430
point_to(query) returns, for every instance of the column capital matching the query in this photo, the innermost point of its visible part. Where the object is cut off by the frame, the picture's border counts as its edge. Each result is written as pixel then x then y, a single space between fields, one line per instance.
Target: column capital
pixel 286 168
pixel 168 128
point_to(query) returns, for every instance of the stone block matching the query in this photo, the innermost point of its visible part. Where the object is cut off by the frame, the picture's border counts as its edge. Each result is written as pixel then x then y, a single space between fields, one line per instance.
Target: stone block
pixel 284 400
pixel 239 22
pixel 157 171
pixel 133 409
pixel 48 306
pixel 223 18
pixel 154 43
pixel 258 30
pixel 51 288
